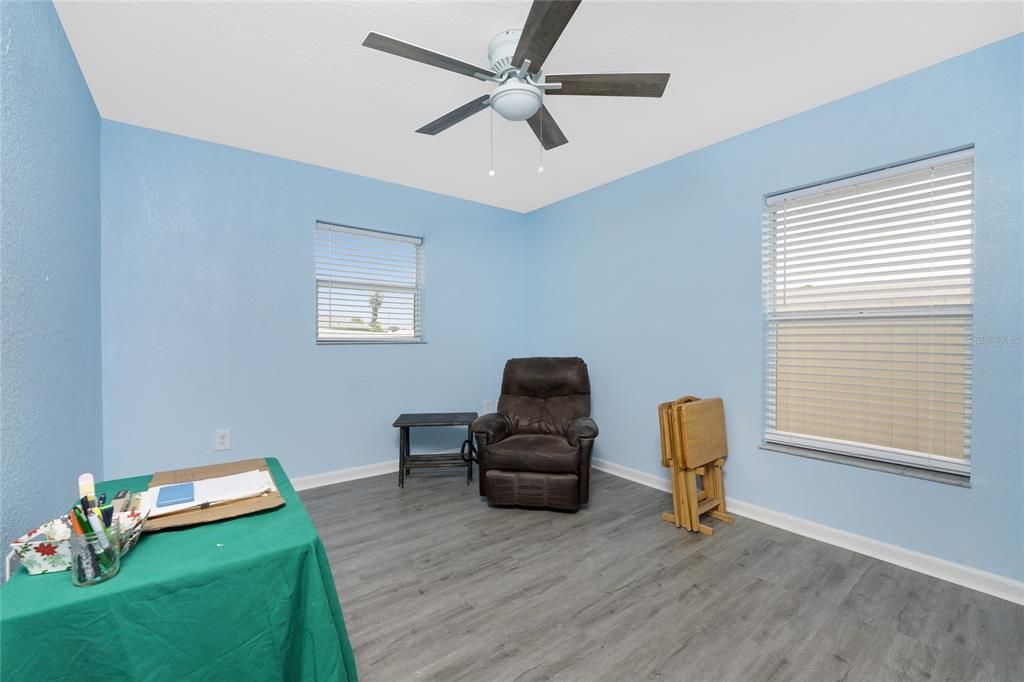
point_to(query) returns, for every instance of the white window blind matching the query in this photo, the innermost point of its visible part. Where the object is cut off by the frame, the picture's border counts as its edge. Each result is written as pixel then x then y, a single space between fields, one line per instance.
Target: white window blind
pixel 868 290
pixel 368 285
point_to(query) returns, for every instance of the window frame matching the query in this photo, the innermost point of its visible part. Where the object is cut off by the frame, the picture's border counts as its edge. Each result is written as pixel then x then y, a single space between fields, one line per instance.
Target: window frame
pixel 417 290
pixel 878 457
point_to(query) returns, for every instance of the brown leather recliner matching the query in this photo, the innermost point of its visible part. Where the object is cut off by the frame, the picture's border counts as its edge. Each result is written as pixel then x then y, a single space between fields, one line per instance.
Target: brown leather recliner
pixel 535 451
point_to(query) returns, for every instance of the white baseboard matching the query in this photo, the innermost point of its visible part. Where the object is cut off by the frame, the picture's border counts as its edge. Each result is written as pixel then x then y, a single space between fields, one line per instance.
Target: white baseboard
pixel 967 576
pixel 630 474
pixel 341 475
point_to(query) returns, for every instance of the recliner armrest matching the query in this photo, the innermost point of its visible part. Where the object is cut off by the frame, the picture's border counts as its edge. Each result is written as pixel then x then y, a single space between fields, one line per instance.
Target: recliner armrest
pixel 581 427
pixel 494 426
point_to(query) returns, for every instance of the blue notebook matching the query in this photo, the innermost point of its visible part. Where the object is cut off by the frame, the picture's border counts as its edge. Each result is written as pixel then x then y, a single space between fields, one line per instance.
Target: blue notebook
pixel 175 494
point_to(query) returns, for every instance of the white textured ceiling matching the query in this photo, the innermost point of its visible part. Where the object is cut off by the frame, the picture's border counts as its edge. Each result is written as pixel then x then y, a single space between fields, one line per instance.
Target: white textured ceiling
pixel 291 79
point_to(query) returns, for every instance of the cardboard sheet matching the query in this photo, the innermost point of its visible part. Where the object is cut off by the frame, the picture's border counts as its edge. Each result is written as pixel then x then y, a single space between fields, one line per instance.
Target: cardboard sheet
pixel 218 512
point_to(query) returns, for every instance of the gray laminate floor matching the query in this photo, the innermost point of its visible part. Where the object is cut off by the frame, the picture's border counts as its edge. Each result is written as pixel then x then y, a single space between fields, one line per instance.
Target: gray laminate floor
pixel 437 585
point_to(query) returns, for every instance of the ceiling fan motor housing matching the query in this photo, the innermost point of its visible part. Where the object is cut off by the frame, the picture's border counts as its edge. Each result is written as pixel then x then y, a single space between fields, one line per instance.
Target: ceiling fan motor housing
pixel 502 49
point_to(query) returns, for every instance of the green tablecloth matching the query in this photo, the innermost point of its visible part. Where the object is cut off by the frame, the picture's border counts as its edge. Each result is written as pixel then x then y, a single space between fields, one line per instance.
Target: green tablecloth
pixel 250 598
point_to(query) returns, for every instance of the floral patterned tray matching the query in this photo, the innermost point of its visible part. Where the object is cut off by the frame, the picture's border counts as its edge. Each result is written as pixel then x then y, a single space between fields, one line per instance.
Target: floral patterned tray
pixel 47 549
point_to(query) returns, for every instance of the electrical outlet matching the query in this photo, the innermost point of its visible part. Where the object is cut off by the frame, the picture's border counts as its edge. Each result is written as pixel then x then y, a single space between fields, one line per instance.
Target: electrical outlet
pixel 222 439
pixel 489 406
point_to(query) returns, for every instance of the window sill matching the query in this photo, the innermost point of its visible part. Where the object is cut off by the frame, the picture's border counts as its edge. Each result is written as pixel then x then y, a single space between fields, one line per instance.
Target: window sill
pixel 875 465
pixel 369 342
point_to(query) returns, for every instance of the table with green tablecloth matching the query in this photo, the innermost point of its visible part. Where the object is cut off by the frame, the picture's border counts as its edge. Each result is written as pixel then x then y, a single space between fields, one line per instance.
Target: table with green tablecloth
pixel 250 598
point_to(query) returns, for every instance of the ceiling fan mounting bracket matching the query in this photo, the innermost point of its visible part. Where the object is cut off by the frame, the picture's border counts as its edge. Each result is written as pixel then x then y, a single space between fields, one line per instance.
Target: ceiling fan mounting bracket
pixel 534 79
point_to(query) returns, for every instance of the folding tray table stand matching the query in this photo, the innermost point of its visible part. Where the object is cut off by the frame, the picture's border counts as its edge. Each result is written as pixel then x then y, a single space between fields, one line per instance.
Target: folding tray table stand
pixel 693 444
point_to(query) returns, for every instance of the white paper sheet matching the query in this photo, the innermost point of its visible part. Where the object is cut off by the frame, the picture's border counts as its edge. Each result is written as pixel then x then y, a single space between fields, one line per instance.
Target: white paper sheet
pixel 215 491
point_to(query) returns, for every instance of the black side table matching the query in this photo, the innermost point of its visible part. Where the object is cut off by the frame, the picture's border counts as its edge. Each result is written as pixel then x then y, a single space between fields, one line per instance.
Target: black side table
pixel 407 461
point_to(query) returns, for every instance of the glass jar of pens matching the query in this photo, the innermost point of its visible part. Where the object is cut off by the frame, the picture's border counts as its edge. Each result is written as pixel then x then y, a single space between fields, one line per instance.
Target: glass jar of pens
pixel 95 553
pixel 95 537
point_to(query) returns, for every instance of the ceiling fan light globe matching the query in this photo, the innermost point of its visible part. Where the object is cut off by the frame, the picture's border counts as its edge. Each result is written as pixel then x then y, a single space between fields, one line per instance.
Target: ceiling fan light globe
pixel 516 100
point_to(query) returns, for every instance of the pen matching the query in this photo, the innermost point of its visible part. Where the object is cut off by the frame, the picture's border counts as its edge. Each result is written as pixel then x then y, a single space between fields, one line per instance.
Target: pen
pixel 75 525
pixel 79 515
pixel 84 561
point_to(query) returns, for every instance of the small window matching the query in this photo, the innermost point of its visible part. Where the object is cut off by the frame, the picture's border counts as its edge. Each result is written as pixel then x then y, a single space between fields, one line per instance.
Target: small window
pixel 868 287
pixel 368 286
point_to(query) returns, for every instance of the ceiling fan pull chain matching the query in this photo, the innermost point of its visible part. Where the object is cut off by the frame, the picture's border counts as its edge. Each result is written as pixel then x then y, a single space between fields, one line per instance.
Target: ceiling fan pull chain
pixel 491 173
pixel 540 151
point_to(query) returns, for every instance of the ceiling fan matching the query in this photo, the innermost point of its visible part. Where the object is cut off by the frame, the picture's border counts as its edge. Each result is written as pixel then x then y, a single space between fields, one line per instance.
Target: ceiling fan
pixel 516 58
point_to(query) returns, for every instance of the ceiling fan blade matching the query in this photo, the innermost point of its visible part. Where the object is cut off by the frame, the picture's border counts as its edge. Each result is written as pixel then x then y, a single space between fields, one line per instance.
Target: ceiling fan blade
pixel 423 55
pixel 546 130
pixel 610 84
pixel 456 115
pixel 544 24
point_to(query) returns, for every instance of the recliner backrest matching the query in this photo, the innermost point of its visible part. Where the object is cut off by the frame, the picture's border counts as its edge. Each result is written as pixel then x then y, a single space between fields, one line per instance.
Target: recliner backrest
pixel 542 395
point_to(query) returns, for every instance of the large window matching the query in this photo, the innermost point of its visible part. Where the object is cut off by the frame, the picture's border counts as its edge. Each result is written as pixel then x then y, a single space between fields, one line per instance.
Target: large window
pixel 367 285
pixel 868 287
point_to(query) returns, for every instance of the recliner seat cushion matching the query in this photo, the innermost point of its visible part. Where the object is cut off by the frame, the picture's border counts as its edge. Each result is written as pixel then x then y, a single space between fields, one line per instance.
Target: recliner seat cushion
pixel 533 452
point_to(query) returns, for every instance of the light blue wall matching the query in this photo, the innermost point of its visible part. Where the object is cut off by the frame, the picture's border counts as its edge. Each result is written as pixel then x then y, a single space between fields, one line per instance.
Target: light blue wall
pixel 207 298
pixel 655 281
pixel 208 309
pixel 50 420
